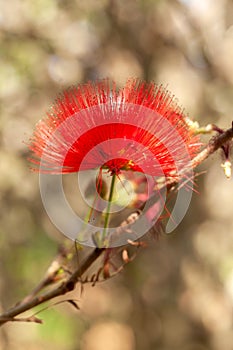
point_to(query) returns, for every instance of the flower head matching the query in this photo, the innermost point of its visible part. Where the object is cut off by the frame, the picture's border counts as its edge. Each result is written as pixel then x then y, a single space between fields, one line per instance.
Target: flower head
pixel 139 127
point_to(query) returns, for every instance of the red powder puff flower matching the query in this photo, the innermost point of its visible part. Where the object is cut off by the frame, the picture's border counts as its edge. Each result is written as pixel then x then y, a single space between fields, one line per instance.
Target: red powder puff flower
pixel 139 127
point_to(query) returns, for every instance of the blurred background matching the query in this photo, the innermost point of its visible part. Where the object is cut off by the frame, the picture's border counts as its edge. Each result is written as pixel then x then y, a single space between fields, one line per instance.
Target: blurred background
pixel 178 293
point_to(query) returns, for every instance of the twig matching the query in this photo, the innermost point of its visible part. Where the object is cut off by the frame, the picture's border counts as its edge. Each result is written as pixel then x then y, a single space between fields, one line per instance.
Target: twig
pixel 62 289
pixel 214 144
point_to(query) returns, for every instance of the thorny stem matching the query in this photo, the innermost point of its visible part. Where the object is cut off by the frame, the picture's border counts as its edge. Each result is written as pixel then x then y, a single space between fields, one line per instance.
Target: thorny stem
pixel 68 285
pixel 62 289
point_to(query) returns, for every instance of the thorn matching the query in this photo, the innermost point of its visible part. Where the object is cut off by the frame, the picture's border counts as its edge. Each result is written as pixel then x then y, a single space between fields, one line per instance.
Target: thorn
pixel 217 129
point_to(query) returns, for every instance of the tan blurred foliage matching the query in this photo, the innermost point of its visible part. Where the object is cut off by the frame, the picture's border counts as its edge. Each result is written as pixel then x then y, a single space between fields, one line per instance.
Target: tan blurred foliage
pixel 178 294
